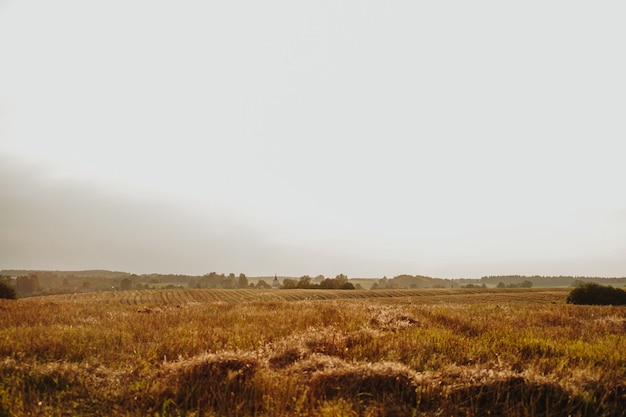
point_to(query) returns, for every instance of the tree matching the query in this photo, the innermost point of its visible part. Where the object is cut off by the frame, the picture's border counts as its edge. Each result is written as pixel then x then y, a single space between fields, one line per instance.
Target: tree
pixel 243 281
pixel 595 294
pixel 7 291
pixel 229 282
pixel 305 282
pixel 341 279
pixel 126 284
pixel 211 280
pixel 383 283
pixel 329 284
pixel 27 285
pixel 289 284
pixel 347 286
pixel 262 284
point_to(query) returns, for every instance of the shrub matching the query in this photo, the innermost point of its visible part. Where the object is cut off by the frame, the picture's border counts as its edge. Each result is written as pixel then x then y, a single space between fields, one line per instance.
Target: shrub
pixel 7 291
pixel 595 294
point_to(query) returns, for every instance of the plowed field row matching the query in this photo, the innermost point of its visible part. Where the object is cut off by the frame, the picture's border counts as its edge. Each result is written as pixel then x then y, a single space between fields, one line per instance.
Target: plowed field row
pixel 174 297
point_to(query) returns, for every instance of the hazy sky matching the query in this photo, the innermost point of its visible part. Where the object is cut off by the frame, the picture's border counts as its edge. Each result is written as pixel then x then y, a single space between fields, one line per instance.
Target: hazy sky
pixel 447 138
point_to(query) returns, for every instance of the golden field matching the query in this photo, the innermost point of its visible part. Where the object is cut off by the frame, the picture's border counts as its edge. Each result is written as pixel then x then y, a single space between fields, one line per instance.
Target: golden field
pixel 439 352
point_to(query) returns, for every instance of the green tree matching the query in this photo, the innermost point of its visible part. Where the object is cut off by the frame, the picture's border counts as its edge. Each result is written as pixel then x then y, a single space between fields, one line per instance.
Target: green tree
pixel 262 284
pixel 211 280
pixel 229 282
pixel 341 279
pixel 305 282
pixel 347 286
pixel 384 283
pixel 329 284
pixel 595 294
pixel 7 291
pixel 242 281
pixel 126 284
pixel 27 285
pixel 289 284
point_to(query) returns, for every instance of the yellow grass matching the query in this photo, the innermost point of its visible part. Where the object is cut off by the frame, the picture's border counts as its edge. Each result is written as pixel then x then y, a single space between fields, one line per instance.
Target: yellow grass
pixel 307 352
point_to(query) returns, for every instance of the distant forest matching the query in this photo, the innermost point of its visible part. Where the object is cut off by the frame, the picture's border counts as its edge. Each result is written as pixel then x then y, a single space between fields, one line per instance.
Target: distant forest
pixel 553 281
pixel 31 282
pixel 419 281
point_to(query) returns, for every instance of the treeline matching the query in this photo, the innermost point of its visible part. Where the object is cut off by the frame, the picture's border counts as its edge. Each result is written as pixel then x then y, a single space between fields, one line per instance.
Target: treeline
pixel 523 284
pixel 406 281
pixel 22 285
pixel 340 282
pixel 30 283
pixel 27 282
pixel 215 280
pixel 54 282
pixel 551 281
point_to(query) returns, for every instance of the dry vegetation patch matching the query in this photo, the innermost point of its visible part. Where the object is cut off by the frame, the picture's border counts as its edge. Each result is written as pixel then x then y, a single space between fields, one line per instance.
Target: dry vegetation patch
pixel 390 318
pixel 224 383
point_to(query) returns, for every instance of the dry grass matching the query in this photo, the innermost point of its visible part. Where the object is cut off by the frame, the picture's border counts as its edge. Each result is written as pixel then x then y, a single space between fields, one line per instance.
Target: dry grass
pixel 269 353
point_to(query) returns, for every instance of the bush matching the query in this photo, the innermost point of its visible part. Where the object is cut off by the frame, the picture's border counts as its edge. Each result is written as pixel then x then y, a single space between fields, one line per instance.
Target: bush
pixel 7 291
pixel 595 294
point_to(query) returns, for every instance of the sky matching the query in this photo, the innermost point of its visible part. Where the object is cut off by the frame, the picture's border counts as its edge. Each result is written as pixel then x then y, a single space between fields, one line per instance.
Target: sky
pixel 449 139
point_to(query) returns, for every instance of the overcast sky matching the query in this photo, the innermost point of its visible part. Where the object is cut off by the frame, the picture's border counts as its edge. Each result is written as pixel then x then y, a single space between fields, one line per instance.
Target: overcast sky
pixel 447 138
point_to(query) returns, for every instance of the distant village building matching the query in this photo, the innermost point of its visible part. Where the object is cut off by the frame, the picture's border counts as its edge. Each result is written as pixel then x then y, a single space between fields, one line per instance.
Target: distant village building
pixel 275 283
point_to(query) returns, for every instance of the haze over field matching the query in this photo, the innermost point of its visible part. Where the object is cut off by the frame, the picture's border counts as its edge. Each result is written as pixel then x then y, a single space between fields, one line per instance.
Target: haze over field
pixel 452 139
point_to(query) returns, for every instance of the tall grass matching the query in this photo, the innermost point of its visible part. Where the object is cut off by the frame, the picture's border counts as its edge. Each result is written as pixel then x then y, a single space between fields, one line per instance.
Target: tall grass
pixel 255 353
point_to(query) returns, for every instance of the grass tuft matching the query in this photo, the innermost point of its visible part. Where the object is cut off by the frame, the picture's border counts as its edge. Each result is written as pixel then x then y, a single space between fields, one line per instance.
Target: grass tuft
pixel 222 382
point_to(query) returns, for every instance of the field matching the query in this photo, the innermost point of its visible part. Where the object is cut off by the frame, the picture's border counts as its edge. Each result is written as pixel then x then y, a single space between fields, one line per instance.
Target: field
pixel 448 352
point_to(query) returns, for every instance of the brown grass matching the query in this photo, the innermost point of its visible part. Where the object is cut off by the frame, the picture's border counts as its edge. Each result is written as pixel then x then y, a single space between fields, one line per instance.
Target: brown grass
pixel 255 353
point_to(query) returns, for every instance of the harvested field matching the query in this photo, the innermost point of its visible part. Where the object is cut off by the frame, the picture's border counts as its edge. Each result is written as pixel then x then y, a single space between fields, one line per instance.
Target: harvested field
pixel 427 296
pixel 306 352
